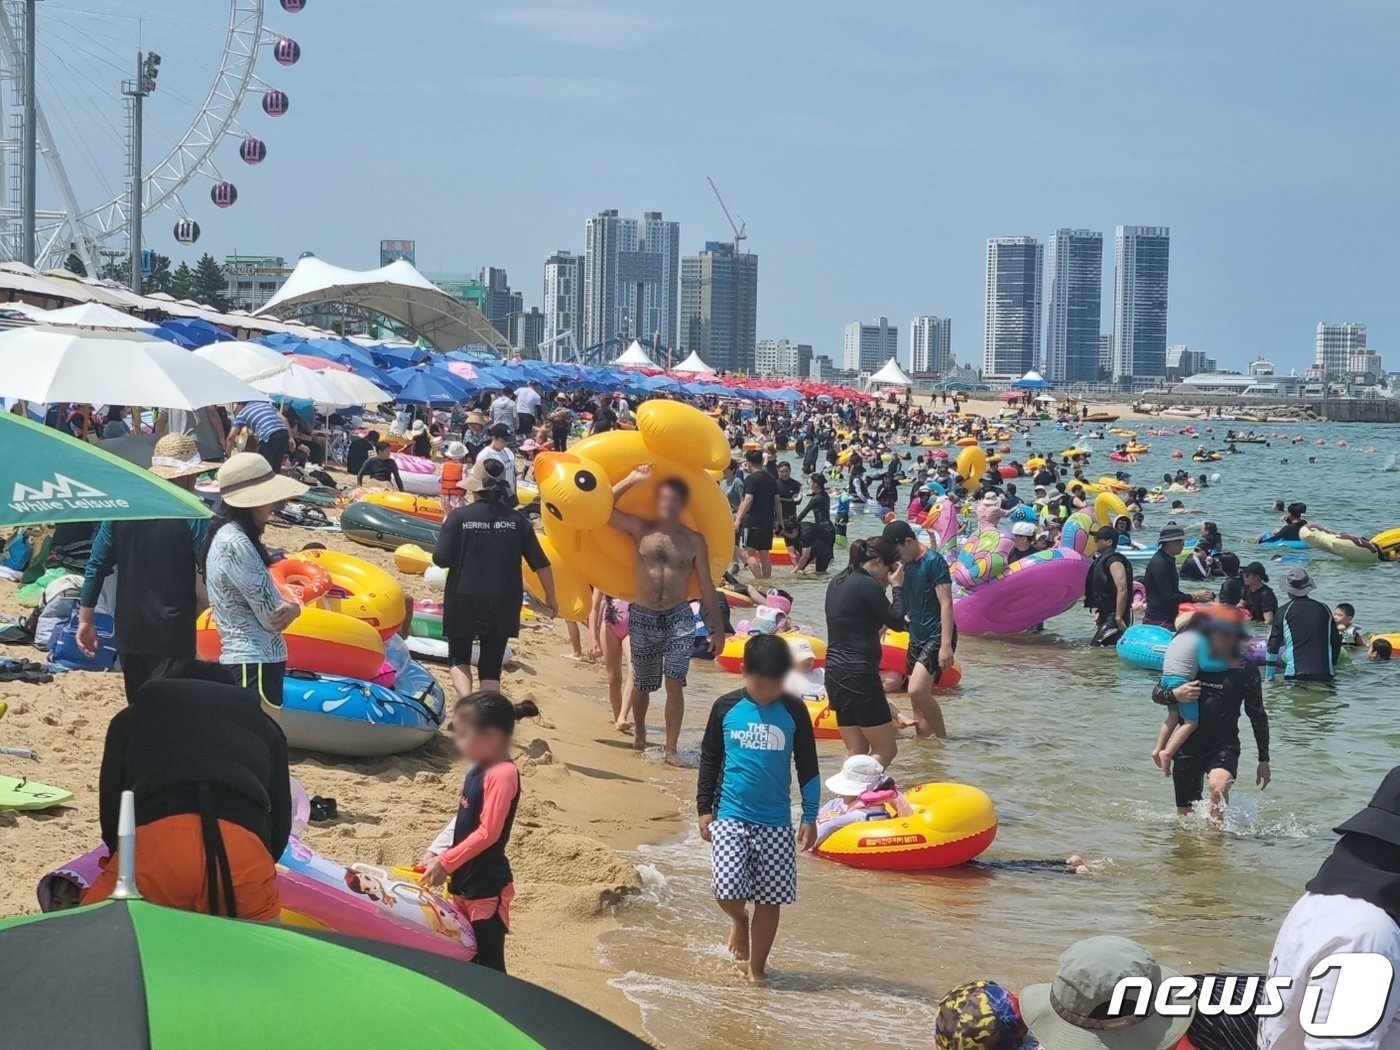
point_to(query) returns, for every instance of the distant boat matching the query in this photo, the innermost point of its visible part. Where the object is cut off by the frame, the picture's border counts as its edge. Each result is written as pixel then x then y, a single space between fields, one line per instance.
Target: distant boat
pixel 1100 417
pixel 1184 413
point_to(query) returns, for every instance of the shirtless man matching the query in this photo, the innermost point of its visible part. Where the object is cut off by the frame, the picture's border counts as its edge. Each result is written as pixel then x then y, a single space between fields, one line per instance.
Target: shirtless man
pixel 661 626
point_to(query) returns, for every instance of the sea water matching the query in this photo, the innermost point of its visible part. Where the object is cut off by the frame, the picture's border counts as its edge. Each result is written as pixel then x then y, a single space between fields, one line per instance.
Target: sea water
pixel 1059 735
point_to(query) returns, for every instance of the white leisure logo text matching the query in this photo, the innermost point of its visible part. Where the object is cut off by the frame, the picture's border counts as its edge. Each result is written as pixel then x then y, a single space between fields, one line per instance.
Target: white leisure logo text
pixel 1356 1005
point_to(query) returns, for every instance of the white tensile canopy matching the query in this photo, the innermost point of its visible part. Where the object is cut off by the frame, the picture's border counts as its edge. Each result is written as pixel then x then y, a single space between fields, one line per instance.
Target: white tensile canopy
pixel 890 375
pixel 397 291
pixel 635 356
pixel 694 365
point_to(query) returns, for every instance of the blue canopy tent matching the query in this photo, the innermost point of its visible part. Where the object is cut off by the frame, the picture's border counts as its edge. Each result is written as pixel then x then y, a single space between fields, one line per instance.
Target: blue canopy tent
pixel 1032 380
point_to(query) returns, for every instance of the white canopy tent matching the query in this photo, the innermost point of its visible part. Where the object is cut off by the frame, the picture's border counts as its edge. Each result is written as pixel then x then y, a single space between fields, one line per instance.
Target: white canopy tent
pixel 694 365
pixel 890 375
pixel 635 357
pixel 397 291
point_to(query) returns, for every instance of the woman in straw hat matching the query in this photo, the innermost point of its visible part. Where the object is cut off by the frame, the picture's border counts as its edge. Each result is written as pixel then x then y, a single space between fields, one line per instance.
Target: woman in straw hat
pixel 249 612
pixel 157 596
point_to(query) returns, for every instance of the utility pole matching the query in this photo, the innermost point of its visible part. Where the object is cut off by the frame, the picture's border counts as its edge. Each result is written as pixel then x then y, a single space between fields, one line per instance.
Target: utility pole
pixel 147 68
pixel 30 155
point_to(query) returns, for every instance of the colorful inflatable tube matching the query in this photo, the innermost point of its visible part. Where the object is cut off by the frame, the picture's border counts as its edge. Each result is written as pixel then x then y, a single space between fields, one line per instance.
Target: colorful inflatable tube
pixel 951 824
pixel 731 657
pixel 1342 544
pixel 1144 645
pixel 318 641
pixel 359 900
pixel 360 719
pixel 1032 590
pixel 364 591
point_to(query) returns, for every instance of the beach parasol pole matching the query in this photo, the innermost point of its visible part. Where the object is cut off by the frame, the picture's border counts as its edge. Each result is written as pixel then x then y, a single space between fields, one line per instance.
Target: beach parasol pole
pixel 125 888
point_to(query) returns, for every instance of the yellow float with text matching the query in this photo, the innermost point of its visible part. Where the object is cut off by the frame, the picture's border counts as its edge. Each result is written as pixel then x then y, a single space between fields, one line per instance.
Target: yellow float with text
pixel 951 824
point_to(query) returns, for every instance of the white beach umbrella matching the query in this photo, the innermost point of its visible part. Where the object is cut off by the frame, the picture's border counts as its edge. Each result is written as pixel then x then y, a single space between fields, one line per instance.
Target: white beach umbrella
pixel 48 363
pixel 296 383
pixel 248 361
pixel 357 389
pixel 95 315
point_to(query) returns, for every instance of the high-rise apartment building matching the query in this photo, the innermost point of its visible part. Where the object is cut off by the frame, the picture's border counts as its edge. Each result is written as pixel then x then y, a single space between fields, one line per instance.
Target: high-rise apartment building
pixel 782 357
pixel 1183 362
pixel 631 278
pixel 1335 345
pixel 1076 293
pixel 930 344
pixel 1141 258
pixel 500 305
pixel 1012 342
pixel 719 307
pixel 1105 355
pixel 563 301
pixel 868 346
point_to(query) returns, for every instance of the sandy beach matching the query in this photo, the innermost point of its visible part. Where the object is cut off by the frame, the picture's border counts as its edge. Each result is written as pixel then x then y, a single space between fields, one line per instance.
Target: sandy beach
pixel 586 796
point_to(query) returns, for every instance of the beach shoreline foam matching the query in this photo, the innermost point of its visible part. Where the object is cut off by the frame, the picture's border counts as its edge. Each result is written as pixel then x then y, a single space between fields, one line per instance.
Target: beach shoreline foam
pixel 587 797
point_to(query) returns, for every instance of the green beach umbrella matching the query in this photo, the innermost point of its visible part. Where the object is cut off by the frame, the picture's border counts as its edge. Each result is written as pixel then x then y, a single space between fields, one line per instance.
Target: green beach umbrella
pixel 131 974
pixel 48 478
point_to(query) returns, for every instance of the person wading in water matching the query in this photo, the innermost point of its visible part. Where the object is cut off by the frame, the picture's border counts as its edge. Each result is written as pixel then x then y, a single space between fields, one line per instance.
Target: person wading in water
pixel 661 625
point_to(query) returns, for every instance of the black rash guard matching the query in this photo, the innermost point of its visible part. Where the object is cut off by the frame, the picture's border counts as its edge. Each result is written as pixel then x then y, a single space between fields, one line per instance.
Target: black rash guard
pixel 1164 592
pixel 856 610
pixel 1307 636
pixel 1100 590
pixel 1223 695
pixel 819 506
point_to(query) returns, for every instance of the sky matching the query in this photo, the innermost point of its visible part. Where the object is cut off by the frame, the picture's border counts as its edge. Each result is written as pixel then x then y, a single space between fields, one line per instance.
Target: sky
pixel 870 148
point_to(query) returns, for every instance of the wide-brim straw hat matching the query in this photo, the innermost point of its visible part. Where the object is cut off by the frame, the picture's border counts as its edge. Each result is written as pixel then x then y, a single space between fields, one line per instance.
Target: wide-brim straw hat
pixel 248 480
pixel 177 456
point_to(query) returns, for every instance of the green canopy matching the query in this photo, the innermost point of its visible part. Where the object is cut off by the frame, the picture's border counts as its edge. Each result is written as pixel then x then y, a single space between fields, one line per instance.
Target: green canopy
pixel 48 477
pixel 131 974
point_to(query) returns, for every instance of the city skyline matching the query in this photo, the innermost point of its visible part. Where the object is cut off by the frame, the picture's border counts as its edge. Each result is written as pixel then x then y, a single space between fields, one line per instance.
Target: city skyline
pixel 1198 121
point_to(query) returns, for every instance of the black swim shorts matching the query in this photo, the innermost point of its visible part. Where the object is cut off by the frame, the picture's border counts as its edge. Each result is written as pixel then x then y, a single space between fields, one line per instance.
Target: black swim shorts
pixel 1189 772
pixel 857 698
pixel 757 538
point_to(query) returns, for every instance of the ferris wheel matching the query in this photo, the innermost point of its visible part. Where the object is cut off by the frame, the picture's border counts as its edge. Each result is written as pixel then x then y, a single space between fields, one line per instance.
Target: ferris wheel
pixel 84 50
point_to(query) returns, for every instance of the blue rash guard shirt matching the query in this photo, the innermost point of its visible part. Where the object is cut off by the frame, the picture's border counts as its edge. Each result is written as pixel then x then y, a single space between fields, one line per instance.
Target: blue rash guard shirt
pixel 747 759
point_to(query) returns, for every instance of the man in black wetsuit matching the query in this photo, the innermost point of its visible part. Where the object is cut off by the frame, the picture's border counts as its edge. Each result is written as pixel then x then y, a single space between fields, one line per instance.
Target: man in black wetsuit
pixel 1293 521
pixel 1304 638
pixel 1211 754
pixel 1164 593
pixel 789 490
pixel 380 467
pixel 1257 596
pixel 1108 589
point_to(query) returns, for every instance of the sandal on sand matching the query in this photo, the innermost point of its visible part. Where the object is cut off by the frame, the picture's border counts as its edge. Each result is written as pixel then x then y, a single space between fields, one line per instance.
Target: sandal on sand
pixel 322 809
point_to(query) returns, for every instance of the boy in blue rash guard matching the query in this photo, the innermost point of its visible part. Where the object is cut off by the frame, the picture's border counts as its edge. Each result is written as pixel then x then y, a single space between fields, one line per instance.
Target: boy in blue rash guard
pixel 754 739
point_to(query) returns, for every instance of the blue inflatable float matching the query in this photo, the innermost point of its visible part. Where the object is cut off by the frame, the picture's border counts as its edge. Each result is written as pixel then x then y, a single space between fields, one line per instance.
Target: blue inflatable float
pixel 1144 645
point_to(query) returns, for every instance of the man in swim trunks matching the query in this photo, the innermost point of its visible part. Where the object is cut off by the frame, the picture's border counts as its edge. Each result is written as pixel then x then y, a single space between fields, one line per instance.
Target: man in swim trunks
pixel 662 625
pixel 927 588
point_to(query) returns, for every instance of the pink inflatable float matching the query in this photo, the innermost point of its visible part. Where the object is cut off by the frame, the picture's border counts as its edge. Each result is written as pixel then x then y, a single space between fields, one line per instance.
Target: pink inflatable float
pixel 420 476
pixel 1031 591
pixel 361 900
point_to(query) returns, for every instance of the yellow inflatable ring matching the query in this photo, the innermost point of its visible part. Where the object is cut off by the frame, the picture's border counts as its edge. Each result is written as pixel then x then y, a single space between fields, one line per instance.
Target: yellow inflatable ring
pixel 371 594
pixel 1107 507
pixel 951 824
pixel 731 657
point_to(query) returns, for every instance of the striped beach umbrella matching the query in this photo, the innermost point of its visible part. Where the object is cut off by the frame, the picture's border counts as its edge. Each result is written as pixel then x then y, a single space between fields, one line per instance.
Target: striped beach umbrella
pixel 132 974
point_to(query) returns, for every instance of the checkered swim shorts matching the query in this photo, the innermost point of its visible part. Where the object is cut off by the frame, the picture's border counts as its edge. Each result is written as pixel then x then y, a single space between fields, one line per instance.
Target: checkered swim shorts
pixel 661 645
pixel 754 862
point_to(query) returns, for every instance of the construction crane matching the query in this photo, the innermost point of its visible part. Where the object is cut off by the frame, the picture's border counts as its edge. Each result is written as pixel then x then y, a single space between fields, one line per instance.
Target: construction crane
pixel 738 228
